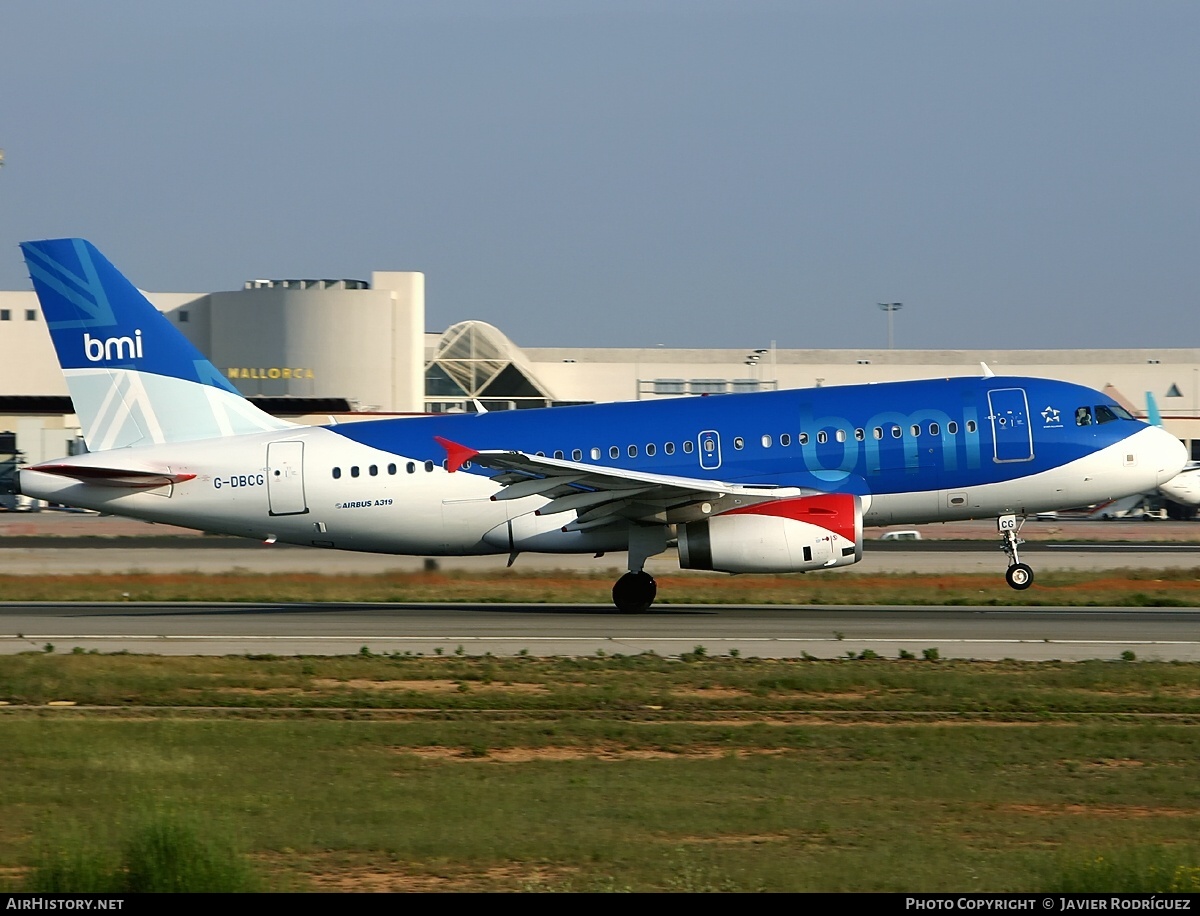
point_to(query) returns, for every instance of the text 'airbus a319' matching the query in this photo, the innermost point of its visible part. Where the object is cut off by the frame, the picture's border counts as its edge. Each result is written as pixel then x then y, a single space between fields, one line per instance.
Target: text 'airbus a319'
pixel 767 482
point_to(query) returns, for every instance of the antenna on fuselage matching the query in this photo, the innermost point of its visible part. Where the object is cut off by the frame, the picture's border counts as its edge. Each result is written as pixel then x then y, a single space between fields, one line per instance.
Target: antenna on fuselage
pixel 987 373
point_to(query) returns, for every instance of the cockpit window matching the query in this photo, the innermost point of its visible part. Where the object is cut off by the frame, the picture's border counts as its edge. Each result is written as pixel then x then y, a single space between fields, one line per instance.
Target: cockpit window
pixel 1104 414
pixel 1121 412
pixel 1083 416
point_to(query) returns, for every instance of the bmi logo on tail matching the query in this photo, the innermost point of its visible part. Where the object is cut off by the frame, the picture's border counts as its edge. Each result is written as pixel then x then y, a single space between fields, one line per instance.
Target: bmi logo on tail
pixel 110 348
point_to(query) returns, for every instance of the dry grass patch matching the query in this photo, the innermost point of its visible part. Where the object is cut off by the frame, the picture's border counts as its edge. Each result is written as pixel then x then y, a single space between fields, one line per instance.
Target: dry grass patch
pixel 1114 764
pixel 428 686
pixel 559 753
pixel 392 878
pixel 747 839
pixel 1119 811
pixel 709 692
pixel 256 691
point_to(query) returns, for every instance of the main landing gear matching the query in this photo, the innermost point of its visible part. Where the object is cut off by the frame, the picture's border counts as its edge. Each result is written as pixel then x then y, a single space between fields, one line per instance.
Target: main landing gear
pixel 1018 576
pixel 635 591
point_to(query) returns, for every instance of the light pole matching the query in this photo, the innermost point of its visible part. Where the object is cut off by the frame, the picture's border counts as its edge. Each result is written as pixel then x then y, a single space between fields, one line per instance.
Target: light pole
pixel 751 361
pixel 891 308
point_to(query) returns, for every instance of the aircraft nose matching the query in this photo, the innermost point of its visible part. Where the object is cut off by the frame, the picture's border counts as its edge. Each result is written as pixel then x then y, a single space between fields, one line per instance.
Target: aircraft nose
pixel 1168 454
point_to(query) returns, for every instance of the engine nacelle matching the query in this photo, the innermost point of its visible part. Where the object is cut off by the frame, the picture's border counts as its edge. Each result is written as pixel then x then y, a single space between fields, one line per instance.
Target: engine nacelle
pixel 788 535
pixel 1184 487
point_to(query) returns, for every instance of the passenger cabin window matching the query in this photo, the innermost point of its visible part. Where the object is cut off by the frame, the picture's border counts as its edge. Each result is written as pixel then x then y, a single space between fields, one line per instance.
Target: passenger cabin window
pixel 354 471
pixel 860 434
pixel 971 426
pixel 558 453
pixel 766 441
pixel 577 454
pixel 739 442
pixel 614 452
pixel 650 449
pixel 803 439
pixel 877 432
pixel 595 453
pixel 822 437
pixel 1083 416
pixel 669 448
pixel 688 447
pixel 411 467
pixel 391 469
pixel 952 428
pixel 631 451
pixel 428 466
pixel 897 432
pixel 337 473
pixel 785 439
pixel 373 470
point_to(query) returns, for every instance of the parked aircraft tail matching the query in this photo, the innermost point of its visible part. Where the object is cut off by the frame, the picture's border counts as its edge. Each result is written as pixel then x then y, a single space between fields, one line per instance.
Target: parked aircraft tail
pixel 1153 417
pixel 133 377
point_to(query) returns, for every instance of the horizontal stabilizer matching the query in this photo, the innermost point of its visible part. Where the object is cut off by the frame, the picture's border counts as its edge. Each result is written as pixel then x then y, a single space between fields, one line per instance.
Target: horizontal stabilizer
pixel 131 478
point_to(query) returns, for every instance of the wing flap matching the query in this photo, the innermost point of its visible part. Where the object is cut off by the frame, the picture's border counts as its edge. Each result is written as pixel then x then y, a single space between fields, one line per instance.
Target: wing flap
pixel 537 486
pixel 585 499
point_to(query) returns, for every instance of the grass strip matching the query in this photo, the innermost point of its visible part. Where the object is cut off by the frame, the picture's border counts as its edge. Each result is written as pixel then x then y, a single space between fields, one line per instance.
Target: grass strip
pixel 1119 587
pixel 634 773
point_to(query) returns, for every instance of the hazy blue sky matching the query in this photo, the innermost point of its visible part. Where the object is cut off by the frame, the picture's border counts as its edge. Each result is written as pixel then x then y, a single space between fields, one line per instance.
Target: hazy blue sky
pixel 1019 174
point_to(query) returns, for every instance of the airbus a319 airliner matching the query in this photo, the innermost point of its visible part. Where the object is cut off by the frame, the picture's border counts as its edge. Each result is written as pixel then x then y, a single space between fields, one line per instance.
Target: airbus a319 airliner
pixel 768 482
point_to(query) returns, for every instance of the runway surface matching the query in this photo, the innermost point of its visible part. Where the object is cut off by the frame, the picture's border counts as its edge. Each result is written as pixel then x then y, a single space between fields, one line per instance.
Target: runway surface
pixel 62 544
pixel 1069 634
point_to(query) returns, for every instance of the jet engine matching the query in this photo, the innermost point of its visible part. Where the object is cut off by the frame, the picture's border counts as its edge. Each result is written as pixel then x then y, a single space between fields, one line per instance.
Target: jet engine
pixel 787 535
pixel 1184 487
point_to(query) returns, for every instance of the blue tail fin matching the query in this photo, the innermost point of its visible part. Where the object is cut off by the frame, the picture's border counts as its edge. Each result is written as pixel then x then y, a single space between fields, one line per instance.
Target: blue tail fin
pixel 134 379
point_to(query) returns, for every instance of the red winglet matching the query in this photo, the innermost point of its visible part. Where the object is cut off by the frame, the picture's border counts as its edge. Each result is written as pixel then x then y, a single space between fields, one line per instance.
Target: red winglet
pixel 456 455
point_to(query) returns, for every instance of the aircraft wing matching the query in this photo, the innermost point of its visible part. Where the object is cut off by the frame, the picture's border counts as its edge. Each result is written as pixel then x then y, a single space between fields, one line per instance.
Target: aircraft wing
pixel 605 495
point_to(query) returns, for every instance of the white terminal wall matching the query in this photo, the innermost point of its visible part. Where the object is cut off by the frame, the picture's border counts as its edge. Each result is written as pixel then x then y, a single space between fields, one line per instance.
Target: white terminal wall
pixel 334 342
pixel 370 347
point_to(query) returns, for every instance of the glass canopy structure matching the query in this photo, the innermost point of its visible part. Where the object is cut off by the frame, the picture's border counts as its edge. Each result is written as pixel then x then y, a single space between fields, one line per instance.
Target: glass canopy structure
pixel 474 360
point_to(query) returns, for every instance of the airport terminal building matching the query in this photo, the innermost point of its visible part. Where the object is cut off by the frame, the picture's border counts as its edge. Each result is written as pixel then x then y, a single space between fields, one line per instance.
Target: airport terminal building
pixel 309 348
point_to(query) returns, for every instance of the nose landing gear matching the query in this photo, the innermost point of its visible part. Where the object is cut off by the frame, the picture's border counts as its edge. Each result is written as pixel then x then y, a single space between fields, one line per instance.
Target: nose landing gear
pixel 1018 575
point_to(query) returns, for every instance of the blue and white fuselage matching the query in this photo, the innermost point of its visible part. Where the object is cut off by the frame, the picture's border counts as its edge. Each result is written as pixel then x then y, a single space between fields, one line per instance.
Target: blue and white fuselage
pixel 772 481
